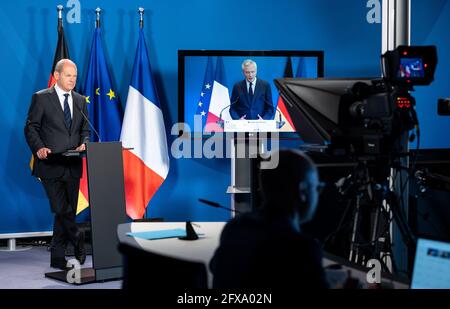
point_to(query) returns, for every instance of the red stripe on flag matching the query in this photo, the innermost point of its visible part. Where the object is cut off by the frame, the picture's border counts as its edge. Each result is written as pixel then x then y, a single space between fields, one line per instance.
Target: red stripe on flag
pixel 211 123
pixel 51 81
pixel 141 183
pixel 83 182
pixel 284 111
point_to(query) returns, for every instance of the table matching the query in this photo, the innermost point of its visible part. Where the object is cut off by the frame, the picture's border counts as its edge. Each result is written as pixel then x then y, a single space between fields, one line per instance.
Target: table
pixel 199 251
pixel 202 249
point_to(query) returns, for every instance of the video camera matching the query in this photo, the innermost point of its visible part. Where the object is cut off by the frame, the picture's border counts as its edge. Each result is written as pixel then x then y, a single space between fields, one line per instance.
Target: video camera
pixel 360 117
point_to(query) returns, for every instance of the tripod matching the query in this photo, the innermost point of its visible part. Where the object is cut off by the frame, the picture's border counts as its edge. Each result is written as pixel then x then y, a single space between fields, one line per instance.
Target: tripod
pixel 375 206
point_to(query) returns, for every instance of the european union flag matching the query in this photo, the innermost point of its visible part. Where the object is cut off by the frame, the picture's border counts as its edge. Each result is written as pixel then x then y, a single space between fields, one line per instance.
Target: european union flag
pixel 105 110
pixel 205 94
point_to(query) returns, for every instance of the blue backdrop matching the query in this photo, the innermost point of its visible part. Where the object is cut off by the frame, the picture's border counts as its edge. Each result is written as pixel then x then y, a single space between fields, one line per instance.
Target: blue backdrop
pixel 340 28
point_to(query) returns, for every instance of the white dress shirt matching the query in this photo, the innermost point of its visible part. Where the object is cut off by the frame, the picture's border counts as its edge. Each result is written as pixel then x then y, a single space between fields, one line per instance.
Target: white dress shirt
pixel 61 98
pixel 253 85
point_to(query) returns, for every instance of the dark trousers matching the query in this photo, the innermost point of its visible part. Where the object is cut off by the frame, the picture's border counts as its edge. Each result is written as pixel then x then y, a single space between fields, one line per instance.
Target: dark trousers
pixel 62 194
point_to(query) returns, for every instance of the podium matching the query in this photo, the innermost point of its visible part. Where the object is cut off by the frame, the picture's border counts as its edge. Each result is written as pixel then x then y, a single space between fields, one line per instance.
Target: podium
pixel 104 164
pixel 243 125
pixel 245 147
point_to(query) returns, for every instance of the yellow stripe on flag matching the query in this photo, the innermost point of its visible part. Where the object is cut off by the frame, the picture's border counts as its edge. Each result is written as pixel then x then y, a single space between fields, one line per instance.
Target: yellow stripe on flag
pixel 31 162
pixel 82 202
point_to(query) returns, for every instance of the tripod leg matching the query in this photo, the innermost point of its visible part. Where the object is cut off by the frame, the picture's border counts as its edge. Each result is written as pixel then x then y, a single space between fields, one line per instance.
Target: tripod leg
pixel 353 256
pixel 380 226
pixel 407 235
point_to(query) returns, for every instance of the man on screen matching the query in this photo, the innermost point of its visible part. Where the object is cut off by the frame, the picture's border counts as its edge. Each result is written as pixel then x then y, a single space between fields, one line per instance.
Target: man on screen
pixel 55 124
pixel 251 98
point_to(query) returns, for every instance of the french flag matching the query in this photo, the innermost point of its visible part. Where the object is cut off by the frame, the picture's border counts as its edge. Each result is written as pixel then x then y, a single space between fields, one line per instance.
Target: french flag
pixel 220 100
pixel 146 165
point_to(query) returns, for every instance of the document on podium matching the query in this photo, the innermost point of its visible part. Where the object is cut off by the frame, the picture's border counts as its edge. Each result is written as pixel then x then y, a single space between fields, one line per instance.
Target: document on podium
pixel 250 125
pixel 73 153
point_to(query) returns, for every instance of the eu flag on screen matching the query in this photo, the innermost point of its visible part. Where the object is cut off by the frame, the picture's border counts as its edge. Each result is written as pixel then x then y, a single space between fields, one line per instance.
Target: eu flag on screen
pixel 105 110
pixel 205 94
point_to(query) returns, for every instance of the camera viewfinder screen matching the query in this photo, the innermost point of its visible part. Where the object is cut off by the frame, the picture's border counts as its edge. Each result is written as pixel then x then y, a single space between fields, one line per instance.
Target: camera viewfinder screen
pixel 411 68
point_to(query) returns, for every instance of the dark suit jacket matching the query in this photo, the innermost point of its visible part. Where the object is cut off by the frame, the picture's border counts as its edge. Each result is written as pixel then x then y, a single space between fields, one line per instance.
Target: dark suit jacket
pixel 257 252
pixel 45 127
pixel 260 104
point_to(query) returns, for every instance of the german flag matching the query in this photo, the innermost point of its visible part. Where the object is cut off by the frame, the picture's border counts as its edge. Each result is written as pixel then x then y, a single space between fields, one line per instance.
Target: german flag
pixel 61 51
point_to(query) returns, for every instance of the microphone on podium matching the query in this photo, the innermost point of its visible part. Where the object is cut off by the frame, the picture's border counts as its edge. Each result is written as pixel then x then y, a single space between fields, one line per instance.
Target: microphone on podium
pixel 90 124
pixel 217 205
pixel 280 122
pixel 220 121
pixel 190 232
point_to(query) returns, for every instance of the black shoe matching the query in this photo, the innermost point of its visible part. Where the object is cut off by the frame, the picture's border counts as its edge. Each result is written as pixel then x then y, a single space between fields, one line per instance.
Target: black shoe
pixel 60 263
pixel 80 251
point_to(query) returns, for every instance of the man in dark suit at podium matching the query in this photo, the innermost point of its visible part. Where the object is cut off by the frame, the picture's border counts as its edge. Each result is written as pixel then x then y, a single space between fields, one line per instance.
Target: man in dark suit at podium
pixel 266 248
pixel 54 125
pixel 251 98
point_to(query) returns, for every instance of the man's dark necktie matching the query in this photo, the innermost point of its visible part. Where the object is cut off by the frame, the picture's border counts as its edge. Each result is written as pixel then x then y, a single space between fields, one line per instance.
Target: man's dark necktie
pixel 250 90
pixel 67 117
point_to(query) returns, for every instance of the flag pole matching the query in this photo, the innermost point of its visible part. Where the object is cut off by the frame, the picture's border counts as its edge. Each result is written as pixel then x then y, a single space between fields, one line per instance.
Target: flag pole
pixel 141 20
pixel 141 26
pixel 97 20
pixel 59 8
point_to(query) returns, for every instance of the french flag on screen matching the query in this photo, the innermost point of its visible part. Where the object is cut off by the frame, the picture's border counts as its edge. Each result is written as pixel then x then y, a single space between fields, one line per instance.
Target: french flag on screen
pixel 146 165
pixel 220 99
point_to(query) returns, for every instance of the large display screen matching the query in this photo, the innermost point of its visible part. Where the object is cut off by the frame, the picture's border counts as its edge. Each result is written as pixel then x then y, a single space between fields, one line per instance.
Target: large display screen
pixel 214 87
